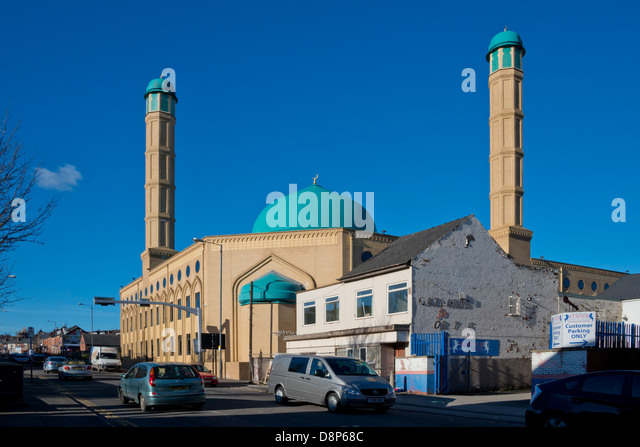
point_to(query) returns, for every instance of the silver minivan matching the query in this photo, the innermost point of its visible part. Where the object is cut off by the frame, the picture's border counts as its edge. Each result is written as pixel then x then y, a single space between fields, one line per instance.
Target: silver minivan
pixel 336 382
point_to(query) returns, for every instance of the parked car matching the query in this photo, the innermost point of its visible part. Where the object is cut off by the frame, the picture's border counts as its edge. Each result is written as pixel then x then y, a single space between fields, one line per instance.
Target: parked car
pixel 336 382
pixel 20 358
pixel 53 363
pixel 37 359
pixel 207 376
pixel 75 369
pixel 597 399
pixel 151 384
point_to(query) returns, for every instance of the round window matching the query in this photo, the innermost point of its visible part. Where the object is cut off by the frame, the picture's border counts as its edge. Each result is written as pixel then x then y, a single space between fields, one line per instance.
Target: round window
pixel 197 266
pixel 566 283
pixel 594 286
pixel 581 284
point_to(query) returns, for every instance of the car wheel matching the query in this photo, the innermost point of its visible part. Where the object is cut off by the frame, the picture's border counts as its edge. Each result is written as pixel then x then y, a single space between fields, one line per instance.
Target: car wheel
pixel 554 421
pixel 123 398
pixel 281 396
pixel 333 403
pixel 143 403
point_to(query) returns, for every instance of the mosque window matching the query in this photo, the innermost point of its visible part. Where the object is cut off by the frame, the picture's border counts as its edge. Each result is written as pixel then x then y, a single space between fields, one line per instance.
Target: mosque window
pixel 197 300
pixel 506 57
pixel 581 284
pixel 179 275
pixel 179 310
pixel 164 283
pixel 187 271
pixel 145 292
pixel 157 286
pixel 309 313
pixel 171 279
pixel 197 266
pixel 594 286
pixel 566 283
pixel 366 255
pixel 606 286
pixel 517 58
pixel 494 61
pixel 188 304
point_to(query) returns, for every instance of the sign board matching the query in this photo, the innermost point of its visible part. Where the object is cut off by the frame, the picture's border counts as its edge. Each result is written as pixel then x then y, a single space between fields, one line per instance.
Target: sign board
pixel 210 341
pixel 573 330
pixel 30 332
pixel 473 346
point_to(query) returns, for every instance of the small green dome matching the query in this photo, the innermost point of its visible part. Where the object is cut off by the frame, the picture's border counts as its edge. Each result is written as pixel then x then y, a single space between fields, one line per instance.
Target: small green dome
pixel 155 86
pixel 271 288
pixel 315 212
pixel 505 39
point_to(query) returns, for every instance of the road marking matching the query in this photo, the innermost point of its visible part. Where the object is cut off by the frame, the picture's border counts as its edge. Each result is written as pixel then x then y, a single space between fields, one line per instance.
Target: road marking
pixel 108 417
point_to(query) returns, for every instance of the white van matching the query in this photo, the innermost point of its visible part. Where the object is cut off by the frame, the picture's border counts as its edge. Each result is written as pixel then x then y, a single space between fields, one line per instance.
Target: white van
pixel 105 358
pixel 336 382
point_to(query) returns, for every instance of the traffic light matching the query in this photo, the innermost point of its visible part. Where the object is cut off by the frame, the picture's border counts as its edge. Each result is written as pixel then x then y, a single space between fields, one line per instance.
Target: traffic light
pixel 104 301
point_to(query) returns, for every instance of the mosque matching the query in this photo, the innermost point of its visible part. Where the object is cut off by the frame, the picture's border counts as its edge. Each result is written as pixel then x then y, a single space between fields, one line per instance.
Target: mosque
pixel 246 285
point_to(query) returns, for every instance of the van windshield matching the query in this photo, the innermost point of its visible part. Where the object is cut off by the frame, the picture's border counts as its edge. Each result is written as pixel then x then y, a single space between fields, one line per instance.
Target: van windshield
pixel 109 355
pixel 350 367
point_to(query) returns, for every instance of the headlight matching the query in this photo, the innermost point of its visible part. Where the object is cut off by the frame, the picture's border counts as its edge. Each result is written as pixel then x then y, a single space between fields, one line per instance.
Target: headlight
pixel 350 390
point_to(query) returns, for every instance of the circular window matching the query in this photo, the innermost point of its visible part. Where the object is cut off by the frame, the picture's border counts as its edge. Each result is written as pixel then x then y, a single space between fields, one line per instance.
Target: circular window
pixel 581 284
pixel 197 266
pixel 594 286
pixel 188 271
pixel 566 283
pixel 606 286
pixel 366 255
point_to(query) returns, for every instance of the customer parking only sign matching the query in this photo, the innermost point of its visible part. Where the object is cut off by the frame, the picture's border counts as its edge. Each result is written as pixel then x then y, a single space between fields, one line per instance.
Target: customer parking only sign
pixel 573 330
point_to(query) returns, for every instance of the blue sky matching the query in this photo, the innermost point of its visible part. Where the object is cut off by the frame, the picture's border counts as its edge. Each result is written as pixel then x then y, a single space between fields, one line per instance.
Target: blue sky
pixel 366 94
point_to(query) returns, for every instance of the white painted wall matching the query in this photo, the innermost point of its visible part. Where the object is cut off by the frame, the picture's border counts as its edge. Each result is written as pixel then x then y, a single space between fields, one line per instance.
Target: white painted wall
pixel 346 293
pixel 631 311
pixel 487 278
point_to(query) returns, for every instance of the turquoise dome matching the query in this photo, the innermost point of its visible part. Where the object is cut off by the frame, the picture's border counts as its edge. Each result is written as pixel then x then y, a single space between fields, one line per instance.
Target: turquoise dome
pixel 271 288
pixel 315 212
pixel 505 39
pixel 155 86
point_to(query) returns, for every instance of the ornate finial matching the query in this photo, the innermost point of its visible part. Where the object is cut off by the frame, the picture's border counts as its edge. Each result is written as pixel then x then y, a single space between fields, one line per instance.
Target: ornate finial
pixel 505 28
pixel 315 178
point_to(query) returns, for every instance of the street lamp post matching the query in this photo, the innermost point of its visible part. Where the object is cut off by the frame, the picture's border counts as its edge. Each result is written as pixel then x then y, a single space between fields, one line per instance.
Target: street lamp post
pixel 195 239
pixel 91 305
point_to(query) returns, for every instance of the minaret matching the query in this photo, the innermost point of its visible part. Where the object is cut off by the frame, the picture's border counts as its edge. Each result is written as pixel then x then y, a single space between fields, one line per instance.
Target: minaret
pixel 505 121
pixel 159 174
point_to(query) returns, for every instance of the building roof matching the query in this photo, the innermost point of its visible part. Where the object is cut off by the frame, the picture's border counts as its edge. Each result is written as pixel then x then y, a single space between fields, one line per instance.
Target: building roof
pixel 626 288
pixel 400 253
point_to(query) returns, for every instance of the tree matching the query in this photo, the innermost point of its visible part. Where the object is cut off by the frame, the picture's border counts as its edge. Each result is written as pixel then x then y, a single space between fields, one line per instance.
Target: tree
pixel 17 179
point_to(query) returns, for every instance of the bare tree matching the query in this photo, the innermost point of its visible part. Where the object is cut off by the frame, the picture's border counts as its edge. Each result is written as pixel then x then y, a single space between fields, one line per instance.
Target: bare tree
pixel 17 179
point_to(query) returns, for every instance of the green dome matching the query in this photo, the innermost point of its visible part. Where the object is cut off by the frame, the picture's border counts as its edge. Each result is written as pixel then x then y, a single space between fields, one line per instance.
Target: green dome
pixel 271 288
pixel 315 212
pixel 505 39
pixel 155 86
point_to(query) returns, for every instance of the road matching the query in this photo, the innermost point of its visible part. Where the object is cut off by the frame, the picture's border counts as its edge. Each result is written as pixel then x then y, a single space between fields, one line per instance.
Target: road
pixel 54 403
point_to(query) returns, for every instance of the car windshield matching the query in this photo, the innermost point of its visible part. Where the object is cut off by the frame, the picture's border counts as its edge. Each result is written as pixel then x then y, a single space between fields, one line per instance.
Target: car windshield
pixel 201 368
pixel 174 372
pixel 57 359
pixel 350 367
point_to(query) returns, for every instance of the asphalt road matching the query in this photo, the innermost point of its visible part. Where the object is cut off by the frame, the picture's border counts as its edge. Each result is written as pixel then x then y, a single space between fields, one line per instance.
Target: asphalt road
pixel 52 403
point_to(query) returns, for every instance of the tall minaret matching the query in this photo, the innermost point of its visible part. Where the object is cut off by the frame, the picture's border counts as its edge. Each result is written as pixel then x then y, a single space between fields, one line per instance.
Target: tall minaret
pixel 159 174
pixel 505 122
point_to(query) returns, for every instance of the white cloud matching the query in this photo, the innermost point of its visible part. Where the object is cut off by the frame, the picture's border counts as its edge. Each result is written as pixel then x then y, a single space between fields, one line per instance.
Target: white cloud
pixel 64 179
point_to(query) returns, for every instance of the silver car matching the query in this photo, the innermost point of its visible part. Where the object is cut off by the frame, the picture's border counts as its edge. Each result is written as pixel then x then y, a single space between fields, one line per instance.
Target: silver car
pixel 336 382
pixel 53 363
pixel 75 369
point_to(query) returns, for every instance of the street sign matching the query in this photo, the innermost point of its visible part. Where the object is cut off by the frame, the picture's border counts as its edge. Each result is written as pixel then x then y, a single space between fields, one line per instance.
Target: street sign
pixel 30 332
pixel 104 301
pixel 573 330
pixel 475 347
pixel 210 341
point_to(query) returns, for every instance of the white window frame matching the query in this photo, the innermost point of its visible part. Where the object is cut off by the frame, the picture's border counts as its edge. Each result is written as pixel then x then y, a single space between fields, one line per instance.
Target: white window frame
pixel 514 306
pixel 370 290
pixel 334 299
pixel 305 306
pixel 406 287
